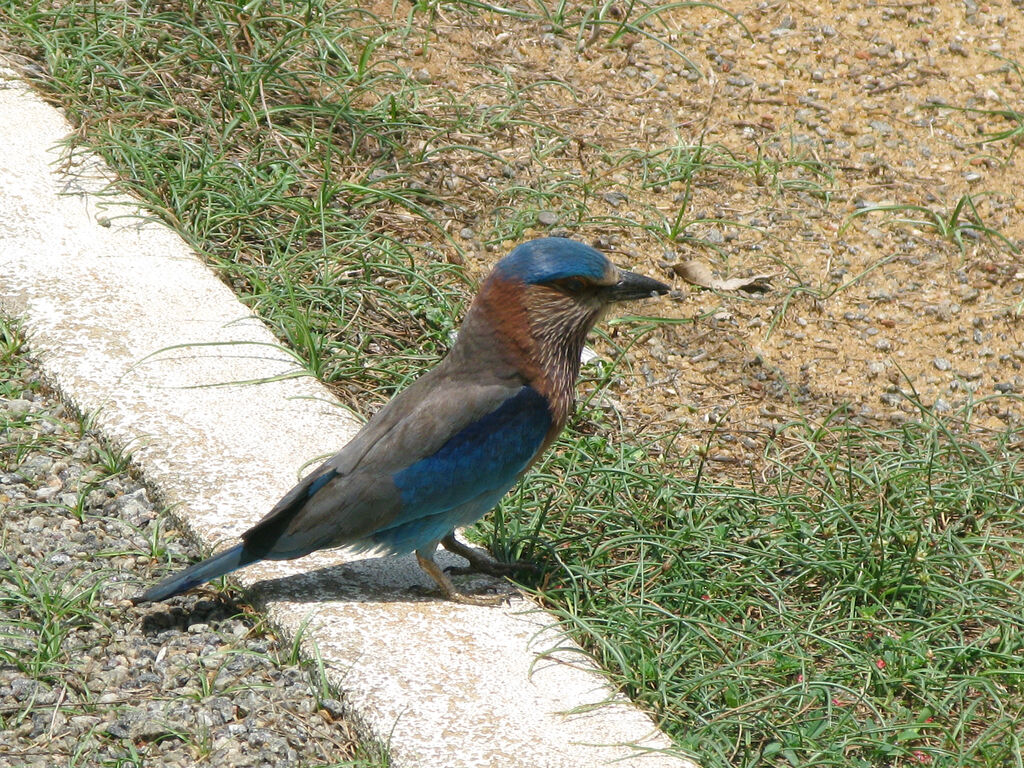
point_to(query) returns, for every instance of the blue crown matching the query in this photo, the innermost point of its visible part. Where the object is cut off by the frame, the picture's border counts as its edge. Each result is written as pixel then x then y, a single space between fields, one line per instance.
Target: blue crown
pixel 553 258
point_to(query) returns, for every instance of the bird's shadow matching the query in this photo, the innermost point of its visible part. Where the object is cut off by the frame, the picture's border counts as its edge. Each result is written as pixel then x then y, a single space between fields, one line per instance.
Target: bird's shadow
pixel 374 580
pixel 202 608
pixel 385 579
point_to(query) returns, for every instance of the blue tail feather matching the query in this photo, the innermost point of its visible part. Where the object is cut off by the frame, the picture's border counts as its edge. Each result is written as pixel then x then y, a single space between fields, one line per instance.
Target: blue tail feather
pixel 200 573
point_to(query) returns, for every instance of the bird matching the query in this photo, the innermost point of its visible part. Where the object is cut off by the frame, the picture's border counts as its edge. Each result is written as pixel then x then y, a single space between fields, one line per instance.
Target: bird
pixel 448 447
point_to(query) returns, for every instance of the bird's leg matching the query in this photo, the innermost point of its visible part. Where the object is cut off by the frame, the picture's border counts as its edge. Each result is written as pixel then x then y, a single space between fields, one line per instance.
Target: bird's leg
pixel 426 561
pixel 481 562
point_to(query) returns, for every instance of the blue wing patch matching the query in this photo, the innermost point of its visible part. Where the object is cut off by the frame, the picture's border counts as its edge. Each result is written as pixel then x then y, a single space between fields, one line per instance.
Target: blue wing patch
pixel 482 460
pixel 320 482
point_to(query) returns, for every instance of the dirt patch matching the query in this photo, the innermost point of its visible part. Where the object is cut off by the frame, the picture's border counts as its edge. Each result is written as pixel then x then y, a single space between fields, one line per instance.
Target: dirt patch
pixel 801 115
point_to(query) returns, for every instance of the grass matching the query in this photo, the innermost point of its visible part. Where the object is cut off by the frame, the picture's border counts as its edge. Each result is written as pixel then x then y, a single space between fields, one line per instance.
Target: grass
pixel 1011 119
pixel 960 221
pixel 278 218
pixel 47 611
pixel 857 604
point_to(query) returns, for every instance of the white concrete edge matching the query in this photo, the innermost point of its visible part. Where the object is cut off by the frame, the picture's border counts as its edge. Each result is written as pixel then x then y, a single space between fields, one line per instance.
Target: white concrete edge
pixel 107 304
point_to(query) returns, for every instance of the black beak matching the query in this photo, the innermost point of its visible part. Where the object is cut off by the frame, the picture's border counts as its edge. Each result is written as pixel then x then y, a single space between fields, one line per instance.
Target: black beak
pixel 633 286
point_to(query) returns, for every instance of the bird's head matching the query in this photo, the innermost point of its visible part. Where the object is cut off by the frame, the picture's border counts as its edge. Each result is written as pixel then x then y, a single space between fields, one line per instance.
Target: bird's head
pixel 566 273
pixel 544 297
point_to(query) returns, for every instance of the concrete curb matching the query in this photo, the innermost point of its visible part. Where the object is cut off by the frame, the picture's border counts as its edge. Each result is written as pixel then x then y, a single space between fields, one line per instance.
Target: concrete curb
pixel 130 325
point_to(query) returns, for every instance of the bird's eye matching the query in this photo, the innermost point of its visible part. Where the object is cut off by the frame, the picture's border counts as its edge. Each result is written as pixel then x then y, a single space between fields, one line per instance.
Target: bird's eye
pixel 571 285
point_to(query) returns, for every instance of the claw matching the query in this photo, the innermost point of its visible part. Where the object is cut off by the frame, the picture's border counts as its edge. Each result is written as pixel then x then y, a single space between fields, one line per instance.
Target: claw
pixel 480 562
pixel 448 589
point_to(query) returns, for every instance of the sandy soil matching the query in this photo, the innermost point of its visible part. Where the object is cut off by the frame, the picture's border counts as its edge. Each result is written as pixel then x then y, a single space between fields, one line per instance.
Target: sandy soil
pixel 807 113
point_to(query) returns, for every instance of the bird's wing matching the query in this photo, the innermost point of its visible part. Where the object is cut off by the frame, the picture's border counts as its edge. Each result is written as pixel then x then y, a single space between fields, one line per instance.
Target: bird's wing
pixel 438 445
pixel 483 457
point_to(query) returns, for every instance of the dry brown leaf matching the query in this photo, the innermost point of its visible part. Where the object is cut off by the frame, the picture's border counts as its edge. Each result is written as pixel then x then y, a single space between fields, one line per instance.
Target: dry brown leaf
pixel 699 273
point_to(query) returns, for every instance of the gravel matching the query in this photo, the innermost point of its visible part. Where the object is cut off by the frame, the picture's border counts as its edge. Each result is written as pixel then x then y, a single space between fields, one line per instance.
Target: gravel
pixel 87 678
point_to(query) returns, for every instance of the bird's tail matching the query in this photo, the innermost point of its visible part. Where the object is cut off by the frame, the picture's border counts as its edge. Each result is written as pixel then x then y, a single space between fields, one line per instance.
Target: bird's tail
pixel 199 573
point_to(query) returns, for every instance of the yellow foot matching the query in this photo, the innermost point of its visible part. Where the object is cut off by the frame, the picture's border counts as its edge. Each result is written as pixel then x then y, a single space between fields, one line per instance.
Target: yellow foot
pixel 448 589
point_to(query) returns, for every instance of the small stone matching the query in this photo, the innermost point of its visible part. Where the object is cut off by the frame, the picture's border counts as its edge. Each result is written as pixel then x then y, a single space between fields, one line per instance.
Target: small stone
pixel 47 492
pixel 118 730
pixel 547 218
pixel 891 399
pixel 18 408
pixel 81 724
pixel 875 368
pixel 941 363
pixel 806 117
pixel 333 707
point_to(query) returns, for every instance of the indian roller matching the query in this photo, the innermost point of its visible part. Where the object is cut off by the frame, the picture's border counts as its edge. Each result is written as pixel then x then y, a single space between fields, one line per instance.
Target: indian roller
pixel 445 450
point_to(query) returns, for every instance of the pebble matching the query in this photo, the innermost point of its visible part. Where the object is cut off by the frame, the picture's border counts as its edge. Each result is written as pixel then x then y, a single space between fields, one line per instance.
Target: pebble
pixel 18 408
pixel 614 199
pixel 891 399
pixel 875 369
